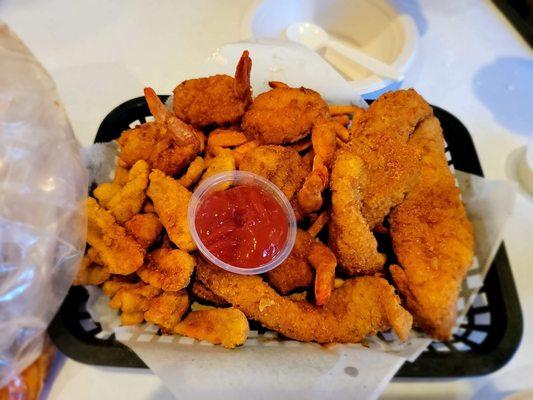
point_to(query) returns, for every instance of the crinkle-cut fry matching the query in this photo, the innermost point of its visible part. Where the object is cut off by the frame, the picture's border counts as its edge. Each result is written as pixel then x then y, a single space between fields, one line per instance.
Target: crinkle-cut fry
pixel 342 119
pixel 171 201
pixel 202 293
pixel 133 301
pixel 221 163
pixel 168 269
pixel 90 273
pixel 167 309
pixel 318 224
pixel 104 192
pixel 362 306
pixel 194 172
pixel 144 228
pixel 335 109
pixel 324 262
pixel 226 138
pixel 129 201
pixel 119 252
pixel 121 175
pixel 226 326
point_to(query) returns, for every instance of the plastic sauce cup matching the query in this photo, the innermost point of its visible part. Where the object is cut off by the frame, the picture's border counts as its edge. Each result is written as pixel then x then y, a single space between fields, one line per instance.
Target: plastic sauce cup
pixel 229 179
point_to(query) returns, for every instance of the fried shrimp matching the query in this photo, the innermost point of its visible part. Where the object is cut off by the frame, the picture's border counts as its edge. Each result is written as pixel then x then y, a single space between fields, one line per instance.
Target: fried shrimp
pixel 360 307
pixel 216 100
pixel 284 115
pixel 280 165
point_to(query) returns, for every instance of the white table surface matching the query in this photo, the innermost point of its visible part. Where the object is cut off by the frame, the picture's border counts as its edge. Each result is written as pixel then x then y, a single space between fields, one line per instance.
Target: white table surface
pixel 470 61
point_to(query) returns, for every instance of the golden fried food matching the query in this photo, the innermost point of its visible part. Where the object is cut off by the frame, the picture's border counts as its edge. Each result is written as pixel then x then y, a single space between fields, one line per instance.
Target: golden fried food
pixel 90 273
pixel 216 100
pixel 318 224
pixel 284 115
pixel 144 228
pixel 295 272
pixel 120 253
pixel 280 165
pixel 203 294
pixel 168 269
pixel 183 134
pixel 226 326
pixel 30 382
pixel 381 140
pixel 171 201
pixel 362 306
pixel 223 162
pixel 324 263
pixel 349 234
pixel 154 143
pixel 121 175
pixel 133 300
pixel 104 192
pixel 324 140
pixel 129 200
pixel 194 172
pixel 221 139
pixel 241 150
pixel 432 238
pixel 167 309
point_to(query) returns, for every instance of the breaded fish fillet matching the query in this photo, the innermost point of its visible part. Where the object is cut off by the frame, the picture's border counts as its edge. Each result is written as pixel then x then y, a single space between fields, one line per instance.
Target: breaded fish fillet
pixel 362 306
pixel 432 238
pixel 381 139
pixel 349 234
pixel 171 201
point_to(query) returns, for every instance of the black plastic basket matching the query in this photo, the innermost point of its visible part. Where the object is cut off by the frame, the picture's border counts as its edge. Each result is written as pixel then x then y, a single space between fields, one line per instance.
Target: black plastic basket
pixel 486 340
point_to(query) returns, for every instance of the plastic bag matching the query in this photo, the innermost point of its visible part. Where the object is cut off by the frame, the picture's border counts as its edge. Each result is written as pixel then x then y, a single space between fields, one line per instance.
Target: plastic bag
pixel 43 187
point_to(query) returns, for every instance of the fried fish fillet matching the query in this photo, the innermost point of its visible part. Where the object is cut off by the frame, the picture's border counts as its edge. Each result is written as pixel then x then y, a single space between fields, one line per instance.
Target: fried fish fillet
pixel 362 306
pixel 381 140
pixel 119 252
pixel 171 201
pixel 349 233
pixel 281 165
pixel 432 238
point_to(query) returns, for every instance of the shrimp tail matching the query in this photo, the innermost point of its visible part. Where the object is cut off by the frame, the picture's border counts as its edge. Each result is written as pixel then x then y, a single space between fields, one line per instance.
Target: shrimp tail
pixel 156 106
pixel 242 77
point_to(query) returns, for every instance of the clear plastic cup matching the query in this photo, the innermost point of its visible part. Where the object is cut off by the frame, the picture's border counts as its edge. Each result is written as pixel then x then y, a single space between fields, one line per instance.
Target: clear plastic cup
pixel 223 181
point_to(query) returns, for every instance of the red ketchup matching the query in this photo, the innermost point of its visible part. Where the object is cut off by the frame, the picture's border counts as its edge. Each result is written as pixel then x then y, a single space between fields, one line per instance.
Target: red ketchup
pixel 244 226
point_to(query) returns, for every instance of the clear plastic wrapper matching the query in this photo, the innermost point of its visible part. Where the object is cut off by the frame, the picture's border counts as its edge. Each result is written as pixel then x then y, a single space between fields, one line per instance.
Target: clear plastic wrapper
pixel 43 186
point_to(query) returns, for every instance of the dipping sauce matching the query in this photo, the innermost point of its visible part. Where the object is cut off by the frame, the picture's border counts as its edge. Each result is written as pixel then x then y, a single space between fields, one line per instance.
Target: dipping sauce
pixel 244 226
